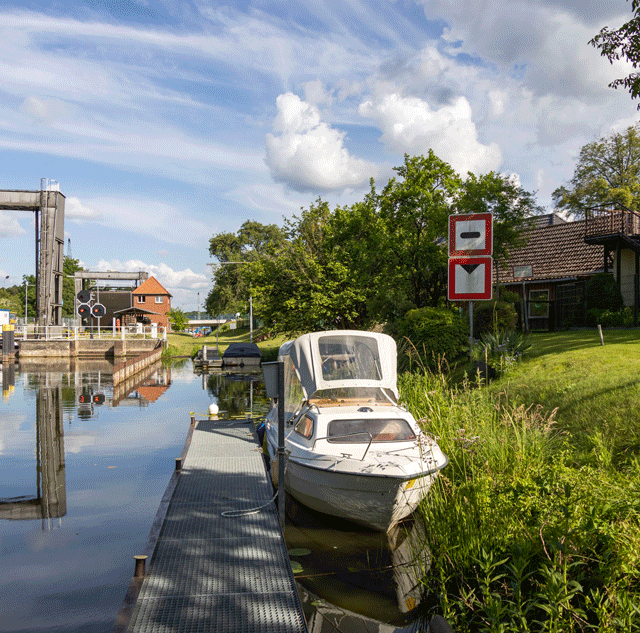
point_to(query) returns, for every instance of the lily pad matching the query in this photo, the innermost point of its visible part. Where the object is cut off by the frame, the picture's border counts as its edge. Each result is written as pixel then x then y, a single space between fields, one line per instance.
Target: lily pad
pixel 301 551
pixel 296 567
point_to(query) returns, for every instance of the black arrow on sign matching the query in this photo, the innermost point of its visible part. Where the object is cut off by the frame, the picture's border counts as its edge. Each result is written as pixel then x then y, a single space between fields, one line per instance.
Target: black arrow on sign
pixel 470 267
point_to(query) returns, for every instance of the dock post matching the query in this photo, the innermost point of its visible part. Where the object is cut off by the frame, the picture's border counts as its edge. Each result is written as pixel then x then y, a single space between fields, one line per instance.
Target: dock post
pixel 140 566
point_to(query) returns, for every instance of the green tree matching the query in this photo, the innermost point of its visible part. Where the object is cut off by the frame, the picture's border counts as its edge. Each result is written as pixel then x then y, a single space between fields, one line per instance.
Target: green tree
pixel 178 319
pixel 623 43
pixel 415 213
pixel 512 208
pixel 10 299
pixel 230 292
pixel 370 262
pixel 70 266
pixel 607 174
pixel 308 283
pixel 31 295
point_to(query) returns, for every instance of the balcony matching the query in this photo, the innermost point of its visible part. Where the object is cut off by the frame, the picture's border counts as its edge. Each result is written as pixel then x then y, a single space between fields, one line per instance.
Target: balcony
pixel 606 226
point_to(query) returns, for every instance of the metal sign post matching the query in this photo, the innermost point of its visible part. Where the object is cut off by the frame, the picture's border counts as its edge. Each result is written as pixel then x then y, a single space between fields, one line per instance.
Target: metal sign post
pixel 470 261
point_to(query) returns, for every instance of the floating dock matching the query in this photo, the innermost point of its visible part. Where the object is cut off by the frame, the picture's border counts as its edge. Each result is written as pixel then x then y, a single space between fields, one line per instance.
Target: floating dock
pixel 207 357
pixel 214 564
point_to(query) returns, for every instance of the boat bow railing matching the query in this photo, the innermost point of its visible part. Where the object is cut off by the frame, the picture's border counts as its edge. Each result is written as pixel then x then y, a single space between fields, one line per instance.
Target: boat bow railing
pixel 335 437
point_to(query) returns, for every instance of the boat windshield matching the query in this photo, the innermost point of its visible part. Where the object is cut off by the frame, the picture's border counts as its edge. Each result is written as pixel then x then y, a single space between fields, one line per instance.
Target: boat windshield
pixel 360 431
pixel 352 396
pixel 349 358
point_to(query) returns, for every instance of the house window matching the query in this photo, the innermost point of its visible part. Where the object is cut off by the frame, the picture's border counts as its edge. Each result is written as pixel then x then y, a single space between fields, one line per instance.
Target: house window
pixel 522 271
pixel 158 298
pixel 141 298
pixel 539 304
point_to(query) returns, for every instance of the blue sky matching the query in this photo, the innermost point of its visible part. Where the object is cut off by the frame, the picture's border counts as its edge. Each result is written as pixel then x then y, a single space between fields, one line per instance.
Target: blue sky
pixel 167 122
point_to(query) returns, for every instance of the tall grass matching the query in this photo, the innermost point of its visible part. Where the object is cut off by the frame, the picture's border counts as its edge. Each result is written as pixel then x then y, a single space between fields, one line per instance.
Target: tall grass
pixel 523 536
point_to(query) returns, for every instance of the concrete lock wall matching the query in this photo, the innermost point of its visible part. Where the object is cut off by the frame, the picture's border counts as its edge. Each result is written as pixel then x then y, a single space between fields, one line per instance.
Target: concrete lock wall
pixel 86 348
pixel 124 370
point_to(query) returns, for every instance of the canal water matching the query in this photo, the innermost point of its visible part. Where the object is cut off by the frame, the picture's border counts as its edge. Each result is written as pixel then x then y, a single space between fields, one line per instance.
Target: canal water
pixel 83 467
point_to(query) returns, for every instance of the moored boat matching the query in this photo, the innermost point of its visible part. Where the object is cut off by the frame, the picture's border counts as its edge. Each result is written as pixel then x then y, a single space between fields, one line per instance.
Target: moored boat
pixel 242 355
pixel 353 451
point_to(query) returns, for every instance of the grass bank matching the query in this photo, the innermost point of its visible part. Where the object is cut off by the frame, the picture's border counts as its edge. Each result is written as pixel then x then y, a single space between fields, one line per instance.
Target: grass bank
pixel 180 344
pixel 535 523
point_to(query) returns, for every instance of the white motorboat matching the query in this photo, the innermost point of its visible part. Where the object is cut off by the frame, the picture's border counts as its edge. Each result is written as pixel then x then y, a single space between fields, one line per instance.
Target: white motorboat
pixel 352 450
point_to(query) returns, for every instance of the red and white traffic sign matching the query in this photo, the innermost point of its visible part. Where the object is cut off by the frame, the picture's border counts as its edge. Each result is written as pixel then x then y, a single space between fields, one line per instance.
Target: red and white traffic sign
pixel 470 278
pixel 470 234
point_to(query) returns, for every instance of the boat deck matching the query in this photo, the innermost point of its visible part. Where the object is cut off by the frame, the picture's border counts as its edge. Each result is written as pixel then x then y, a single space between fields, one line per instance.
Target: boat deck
pixel 213 568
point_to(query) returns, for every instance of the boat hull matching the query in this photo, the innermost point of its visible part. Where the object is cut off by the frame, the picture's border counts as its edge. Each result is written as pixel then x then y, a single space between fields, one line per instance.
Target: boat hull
pixel 377 502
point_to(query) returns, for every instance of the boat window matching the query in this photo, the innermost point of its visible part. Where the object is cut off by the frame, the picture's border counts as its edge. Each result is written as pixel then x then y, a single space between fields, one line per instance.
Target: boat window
pixel 348 358
pixel 358 431
pixel 304 426
pixel 293 394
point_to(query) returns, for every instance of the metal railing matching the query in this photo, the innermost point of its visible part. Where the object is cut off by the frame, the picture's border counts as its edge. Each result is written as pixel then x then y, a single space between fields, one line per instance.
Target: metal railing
pixel 75 332
pixel 611 222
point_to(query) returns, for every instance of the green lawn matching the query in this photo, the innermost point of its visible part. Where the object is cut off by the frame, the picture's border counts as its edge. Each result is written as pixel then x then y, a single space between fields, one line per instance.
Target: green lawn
pixel 595 387
pixel 182 344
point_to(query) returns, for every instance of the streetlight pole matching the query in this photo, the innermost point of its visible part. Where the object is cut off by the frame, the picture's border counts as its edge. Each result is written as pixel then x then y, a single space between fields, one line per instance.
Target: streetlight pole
pixel 198 306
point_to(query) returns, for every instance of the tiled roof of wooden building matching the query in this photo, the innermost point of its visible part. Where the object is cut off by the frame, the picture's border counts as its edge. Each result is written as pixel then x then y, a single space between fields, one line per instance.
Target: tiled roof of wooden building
pixel 553 252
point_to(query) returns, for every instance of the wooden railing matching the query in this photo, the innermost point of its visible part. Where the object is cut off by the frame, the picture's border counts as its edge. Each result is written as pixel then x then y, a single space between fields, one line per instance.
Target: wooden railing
pixel 600 222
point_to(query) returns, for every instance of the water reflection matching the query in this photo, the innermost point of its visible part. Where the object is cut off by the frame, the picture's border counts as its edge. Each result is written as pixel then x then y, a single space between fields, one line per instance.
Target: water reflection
pixel 353 580
pixel 83 467
pixel 55 393
pixel 49 500
pixel 238 394
pixel 8 373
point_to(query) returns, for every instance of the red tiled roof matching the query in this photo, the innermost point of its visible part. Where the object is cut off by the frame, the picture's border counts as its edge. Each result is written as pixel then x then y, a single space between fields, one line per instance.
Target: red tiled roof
pixel 553 252
pixel 151 286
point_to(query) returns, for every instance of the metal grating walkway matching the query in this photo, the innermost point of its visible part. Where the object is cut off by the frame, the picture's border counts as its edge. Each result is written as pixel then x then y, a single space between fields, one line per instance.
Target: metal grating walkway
pixel 215 574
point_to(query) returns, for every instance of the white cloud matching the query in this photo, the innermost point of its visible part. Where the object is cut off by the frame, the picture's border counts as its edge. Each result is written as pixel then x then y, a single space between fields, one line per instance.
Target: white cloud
pixel 410 125
pixel 148 217
pixel 546 42
pixel 75 210
pixel 9 225
pixel 268 197
pixel 315 93
pixel 307 154
pixel 169 278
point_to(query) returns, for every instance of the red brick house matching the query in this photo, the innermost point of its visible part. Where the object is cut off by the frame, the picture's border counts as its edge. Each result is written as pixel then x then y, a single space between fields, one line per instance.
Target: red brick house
pixel 151 301
pixel 551 269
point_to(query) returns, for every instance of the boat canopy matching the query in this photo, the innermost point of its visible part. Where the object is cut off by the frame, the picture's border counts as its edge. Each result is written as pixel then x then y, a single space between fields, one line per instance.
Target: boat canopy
pixel 242 350
pixel 345 360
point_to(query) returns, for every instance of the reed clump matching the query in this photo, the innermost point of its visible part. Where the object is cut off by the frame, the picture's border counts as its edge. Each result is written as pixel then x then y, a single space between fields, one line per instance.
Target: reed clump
pixel 525 532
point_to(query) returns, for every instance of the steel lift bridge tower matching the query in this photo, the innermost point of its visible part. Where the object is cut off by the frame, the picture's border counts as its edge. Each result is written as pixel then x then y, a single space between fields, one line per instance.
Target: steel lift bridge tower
pixel 48 205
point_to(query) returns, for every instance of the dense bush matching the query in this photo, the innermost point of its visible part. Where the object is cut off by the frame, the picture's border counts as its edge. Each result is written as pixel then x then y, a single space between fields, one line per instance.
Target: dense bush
pixel 427 336
pixel 602 291
pixel 494 316
pixel 509 296
pixel 607 318
pixel 501 350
